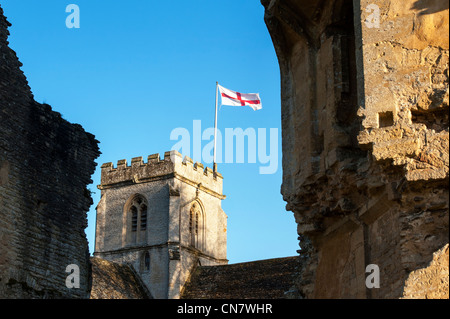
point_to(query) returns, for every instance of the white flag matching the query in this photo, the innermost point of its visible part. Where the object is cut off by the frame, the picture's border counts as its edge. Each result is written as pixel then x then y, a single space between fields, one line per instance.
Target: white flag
pixel 240 99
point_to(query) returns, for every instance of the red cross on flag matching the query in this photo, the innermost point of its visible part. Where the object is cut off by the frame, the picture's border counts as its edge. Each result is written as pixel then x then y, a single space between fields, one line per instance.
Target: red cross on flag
pixel 240 99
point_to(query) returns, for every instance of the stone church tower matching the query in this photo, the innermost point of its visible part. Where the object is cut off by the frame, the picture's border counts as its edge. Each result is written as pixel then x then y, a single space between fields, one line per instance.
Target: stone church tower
pixel 163 217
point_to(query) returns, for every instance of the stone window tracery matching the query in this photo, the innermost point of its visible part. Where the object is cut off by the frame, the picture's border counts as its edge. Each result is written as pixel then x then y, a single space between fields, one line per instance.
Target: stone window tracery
pixel 136 215
pixel 196 226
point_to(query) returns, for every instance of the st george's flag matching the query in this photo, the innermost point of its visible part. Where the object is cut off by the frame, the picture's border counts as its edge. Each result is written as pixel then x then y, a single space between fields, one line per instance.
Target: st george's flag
pixel 233 98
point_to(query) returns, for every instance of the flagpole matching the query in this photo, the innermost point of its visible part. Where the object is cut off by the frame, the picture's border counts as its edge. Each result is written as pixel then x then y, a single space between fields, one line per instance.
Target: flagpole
pixel 215 130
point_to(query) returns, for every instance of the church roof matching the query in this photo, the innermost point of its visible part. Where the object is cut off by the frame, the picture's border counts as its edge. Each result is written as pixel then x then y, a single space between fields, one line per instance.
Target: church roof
pixel 262 279
pixel 115 281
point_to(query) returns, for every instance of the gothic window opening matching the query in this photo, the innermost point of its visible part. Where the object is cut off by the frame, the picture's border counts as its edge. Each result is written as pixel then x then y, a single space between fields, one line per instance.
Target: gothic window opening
pixel 196 226
pixel 136 215
pixel 191 222
pixel 144 262
pixel 143 217
pixel 196 223
pixel 147 261
pixel 192 226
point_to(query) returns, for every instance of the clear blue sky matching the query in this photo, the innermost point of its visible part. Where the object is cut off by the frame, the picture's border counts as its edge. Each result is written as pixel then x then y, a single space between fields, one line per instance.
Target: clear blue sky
pixel 137 69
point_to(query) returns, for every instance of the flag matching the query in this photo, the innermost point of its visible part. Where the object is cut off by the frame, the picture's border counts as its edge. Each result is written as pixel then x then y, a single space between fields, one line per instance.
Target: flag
pixel 240 99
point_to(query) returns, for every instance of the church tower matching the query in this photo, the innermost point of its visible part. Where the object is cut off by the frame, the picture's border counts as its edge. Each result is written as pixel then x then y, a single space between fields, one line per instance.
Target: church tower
pixel 163 217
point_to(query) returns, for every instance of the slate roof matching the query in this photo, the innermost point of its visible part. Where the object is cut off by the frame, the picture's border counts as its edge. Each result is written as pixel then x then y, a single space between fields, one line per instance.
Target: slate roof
pixel 115 281
pixel 262 279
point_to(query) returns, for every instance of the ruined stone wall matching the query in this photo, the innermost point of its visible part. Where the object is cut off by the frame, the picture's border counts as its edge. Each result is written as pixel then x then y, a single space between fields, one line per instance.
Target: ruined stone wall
pixel 365 139
pixel 45 165
pixel 404 100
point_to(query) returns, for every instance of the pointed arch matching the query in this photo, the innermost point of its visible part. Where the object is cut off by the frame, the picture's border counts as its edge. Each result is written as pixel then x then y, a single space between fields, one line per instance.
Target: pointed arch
pixel 144 262
pixel 135 220
pixel 197 225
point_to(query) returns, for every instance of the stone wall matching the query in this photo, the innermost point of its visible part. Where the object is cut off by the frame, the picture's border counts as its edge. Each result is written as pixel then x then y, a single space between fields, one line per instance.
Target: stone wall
pixel 364 93
pixel 45 166
pixel 405 76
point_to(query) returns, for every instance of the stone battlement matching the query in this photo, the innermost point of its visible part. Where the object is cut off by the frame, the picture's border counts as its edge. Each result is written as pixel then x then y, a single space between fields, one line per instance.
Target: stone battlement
pixel 172 165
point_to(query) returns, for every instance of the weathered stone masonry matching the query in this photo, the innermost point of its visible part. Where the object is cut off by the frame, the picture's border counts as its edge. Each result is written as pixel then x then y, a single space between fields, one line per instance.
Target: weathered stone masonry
pixel 46 164
pixel 365 142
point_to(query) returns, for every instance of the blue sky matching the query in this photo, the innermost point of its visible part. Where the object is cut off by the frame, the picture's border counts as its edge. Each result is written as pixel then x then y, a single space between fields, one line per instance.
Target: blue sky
pixel 135 70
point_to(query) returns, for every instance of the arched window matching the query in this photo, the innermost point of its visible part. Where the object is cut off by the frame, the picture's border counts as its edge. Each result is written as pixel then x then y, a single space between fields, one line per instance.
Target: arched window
pixel 135 219
pixel 196 226
pixel 147 261
pixel 144 262
pixel 143 217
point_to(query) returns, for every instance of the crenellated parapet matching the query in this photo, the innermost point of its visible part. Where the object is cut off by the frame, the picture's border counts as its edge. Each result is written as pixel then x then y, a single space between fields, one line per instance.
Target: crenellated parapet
pixel 171 166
